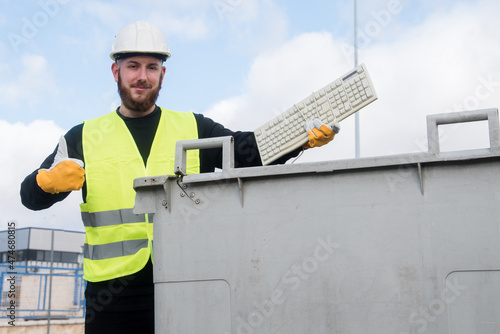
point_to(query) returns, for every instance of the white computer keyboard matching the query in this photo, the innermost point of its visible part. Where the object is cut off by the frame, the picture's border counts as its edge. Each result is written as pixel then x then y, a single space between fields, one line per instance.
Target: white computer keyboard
pixel 339 99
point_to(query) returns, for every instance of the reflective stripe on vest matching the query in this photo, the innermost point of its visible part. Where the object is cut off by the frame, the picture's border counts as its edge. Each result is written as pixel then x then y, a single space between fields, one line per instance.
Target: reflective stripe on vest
pixel 113 217
pixel 115 249
pixel 118 242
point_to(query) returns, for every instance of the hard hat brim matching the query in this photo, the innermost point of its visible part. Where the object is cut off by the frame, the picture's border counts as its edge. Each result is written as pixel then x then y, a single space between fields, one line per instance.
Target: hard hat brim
pixel 123 55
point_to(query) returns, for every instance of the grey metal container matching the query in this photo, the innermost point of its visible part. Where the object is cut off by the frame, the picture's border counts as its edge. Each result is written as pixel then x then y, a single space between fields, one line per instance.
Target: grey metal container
pixel 395 244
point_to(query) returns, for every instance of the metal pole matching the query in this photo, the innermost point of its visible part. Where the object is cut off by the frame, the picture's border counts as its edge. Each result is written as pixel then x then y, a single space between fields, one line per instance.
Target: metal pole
pixel 355 33
pixel 356 116
pixel 50 282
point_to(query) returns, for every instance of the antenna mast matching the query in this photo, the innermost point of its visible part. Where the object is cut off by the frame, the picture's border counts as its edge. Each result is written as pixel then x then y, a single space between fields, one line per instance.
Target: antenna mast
pixel 356 116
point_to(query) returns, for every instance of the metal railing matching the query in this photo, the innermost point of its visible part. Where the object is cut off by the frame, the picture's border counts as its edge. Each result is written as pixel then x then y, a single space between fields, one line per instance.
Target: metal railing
pixel 25 293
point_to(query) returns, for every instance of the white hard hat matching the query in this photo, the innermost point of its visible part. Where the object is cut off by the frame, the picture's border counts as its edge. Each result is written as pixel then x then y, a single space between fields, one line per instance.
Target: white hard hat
pixel 140 37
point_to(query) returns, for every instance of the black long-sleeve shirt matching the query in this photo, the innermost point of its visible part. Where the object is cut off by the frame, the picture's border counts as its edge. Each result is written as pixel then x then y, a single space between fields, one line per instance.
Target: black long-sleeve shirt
pixel 143 130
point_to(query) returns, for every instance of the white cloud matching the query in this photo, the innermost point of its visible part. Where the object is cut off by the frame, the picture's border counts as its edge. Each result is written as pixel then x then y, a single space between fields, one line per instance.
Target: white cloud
pixel 448 63
pixel 34 82
pixel 280 77
pixel 284 76
pixel 24 148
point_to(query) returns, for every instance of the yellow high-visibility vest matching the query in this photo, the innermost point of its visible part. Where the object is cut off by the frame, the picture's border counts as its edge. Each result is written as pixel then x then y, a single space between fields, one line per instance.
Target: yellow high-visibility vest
pixel 117 241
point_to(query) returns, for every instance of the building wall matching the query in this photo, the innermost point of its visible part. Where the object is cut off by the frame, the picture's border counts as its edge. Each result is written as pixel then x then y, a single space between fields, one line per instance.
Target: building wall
pixel 41 238
pixel 56 327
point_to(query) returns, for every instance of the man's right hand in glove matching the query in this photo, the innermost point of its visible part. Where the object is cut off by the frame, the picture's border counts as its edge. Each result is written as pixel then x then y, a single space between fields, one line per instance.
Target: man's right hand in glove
pixel 64 175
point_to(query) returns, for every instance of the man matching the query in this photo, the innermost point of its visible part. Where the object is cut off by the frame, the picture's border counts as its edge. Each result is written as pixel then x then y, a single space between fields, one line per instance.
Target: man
pixel 102 156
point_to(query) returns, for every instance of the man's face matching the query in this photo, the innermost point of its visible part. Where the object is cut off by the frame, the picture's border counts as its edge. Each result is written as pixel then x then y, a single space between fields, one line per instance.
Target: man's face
pixel 139 81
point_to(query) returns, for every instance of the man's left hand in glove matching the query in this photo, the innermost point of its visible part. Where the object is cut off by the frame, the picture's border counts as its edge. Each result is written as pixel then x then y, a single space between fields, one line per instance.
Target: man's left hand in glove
pixel 319 133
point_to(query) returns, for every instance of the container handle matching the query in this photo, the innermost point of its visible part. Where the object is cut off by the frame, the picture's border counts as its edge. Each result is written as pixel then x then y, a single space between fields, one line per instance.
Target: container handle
pixel 182 146
pixel 491 115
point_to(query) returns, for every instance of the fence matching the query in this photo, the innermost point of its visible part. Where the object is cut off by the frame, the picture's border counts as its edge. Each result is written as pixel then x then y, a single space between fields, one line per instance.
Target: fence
pixel 25 295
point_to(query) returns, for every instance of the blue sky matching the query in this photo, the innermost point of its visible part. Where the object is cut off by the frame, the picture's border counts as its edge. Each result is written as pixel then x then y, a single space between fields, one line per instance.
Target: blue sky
pixel 241 62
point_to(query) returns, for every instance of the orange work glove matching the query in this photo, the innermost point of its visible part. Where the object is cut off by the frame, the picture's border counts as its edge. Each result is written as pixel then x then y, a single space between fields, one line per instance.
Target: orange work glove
pixel 64 175
pixel 319 133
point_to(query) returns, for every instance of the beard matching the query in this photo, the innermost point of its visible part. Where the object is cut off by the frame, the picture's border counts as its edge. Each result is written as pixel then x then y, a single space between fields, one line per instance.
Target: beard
pixel 142 105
